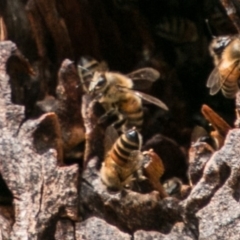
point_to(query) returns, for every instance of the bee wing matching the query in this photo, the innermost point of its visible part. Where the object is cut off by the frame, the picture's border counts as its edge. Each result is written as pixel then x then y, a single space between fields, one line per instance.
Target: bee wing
pixel 142 85
pixel 198 132
pixel 144 78
pixel 229 71
pixel 145 97
pixel 147 73
pixel 111 137
pixel 214 81
pixel 151 99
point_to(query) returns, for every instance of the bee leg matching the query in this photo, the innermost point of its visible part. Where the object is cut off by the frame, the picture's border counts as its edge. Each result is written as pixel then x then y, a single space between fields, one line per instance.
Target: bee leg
pixel 140 176
pixel 128 182
pixel 106 116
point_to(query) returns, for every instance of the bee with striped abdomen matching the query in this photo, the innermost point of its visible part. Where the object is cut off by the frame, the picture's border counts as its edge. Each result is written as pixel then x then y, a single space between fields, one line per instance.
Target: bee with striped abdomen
pixel 116 94
pixel 177 30
pixel 226 53
pixel 126 5
pixel 122 160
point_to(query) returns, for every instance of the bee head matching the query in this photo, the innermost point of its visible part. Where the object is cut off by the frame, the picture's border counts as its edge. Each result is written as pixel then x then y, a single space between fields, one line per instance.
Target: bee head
pixel 134 137
pixel 219 44
pixel 98 83
pixel 172 186
pixel 206 139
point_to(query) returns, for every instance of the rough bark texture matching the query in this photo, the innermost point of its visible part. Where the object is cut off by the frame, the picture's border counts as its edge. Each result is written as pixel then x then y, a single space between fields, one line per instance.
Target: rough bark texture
pixel 41 190
pixel 215 198
pixel 95 228
pixel 177 232
pixel 126 209
pixel 44 194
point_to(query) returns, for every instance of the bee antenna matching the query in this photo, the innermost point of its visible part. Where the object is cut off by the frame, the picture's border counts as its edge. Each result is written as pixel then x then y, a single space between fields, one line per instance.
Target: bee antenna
pixel 85 69
pixel 209 28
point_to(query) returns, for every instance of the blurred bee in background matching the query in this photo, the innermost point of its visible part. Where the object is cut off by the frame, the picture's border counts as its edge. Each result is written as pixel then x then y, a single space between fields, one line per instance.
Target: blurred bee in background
pixel 175 188
pixel 126 5
pixel 122 159
pixel 226 53
pixel 116 94
pixel 86 67
pixel 177 29
pixel 200 135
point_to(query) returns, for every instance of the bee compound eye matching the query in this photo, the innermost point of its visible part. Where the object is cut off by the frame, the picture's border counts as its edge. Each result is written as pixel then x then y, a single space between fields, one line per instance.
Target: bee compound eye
pixel 208 140
pixel 204 139
pixel 101 80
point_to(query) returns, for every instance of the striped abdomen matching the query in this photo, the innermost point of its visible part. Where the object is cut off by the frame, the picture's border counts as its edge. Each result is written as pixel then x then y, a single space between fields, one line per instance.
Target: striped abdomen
pixel 176 29
pixel 134 119
pixel 230 88
pixel 229 78
pixel 131 108
pixel 125 144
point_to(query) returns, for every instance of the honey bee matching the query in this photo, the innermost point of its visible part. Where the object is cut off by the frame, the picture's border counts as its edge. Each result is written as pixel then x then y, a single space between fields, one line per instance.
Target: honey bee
pixel 122 160
pixel 175 188
pixel 126 5
pixel 86 67
pixel 226 53
pixel 115 92
pixel 177 30
pixel 200 136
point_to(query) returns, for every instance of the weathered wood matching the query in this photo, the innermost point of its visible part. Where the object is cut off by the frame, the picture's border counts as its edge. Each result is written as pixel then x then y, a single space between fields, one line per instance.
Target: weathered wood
pixel 232 13
pixel 126 209
pixel 46 196
pixel 42 191
pixel 173 158
pixel 6 221
pixel 179 231
pixel 65 230
pixel 215 197
pixel 154 169
pixel 95 228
